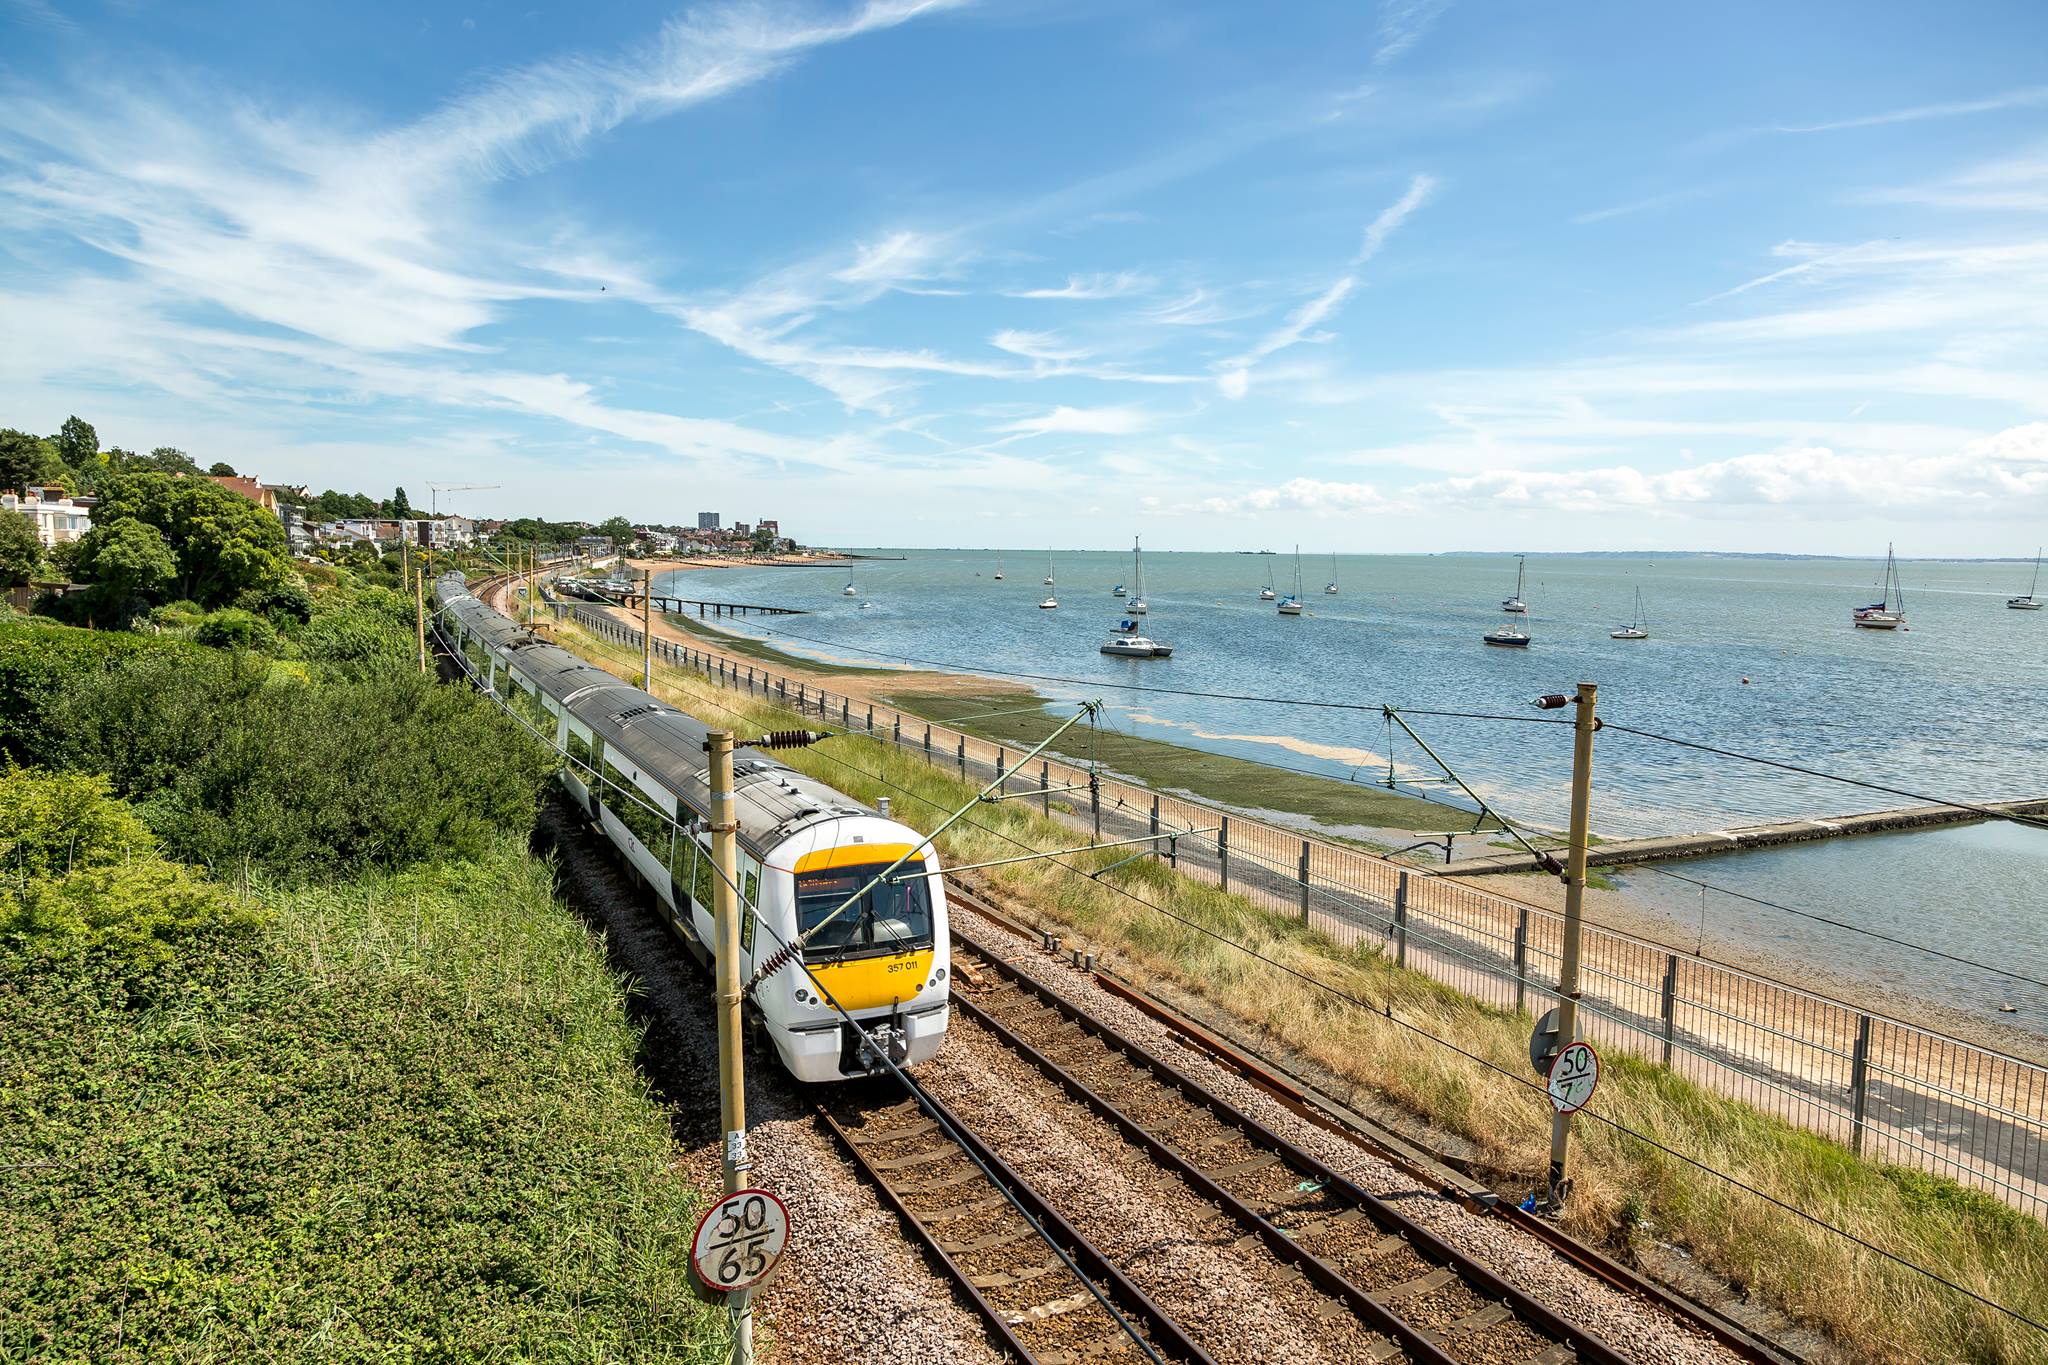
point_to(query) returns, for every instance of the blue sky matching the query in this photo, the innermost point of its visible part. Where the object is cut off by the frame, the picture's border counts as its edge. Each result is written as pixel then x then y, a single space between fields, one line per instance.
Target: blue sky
pixel 1417 275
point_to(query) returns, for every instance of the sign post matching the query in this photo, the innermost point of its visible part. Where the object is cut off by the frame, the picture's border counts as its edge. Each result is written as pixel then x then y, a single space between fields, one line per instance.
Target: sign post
pixel 732 1095
pixel 1574 1075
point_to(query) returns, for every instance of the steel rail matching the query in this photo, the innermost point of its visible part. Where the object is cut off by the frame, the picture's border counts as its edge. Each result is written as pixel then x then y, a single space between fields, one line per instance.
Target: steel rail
pixel 1167 1335
pixel 1420 1344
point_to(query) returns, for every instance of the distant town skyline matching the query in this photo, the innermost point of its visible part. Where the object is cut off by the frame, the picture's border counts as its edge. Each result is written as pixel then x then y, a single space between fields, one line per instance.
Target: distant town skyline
pixel 1407 277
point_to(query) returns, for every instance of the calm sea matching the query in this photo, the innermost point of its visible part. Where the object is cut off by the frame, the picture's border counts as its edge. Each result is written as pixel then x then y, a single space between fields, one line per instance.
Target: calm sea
pixel 1951 707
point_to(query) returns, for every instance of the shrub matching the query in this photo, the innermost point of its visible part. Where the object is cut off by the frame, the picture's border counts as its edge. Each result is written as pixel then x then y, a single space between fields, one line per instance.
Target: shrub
pixel 234 765
pixel 284 605
pixel 85 879
pixel 39 661
pixel 233 628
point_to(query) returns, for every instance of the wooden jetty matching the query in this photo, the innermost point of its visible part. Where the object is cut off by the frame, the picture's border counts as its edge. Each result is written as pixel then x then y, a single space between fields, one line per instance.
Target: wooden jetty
pixel 677 606
pixel 1661 848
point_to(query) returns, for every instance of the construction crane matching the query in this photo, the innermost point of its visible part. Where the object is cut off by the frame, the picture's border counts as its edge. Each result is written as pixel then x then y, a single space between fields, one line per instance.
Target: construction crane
pixel 435 490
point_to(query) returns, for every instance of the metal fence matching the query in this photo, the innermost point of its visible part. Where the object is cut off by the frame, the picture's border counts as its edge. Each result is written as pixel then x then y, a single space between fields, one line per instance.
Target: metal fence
pixel 1890 1090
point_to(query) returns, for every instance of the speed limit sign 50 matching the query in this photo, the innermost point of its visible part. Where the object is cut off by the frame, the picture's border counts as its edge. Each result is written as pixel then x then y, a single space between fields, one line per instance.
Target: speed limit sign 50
pixel 739 1240
pixel 1573 1077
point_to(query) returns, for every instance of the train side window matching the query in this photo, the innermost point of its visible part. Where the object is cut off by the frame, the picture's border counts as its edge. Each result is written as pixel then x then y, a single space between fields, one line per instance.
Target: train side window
pixel 707 878
pixel 682 864
pixel 579 749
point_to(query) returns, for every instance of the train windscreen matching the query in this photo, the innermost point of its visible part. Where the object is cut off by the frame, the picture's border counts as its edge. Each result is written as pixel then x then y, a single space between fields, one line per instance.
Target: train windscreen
pixel 890 917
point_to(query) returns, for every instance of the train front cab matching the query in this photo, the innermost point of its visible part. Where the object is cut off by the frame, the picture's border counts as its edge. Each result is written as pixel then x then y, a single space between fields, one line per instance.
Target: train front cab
pixel 886 961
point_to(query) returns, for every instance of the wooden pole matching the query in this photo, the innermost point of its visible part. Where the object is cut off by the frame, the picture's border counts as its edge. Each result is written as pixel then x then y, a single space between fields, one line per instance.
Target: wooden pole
pixel 1574 903
pixel 419 611
pixel 732 1095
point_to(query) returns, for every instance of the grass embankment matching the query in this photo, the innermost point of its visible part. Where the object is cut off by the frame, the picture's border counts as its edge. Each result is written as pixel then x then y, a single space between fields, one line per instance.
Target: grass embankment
pixel 1876 1309
pixel 1228 781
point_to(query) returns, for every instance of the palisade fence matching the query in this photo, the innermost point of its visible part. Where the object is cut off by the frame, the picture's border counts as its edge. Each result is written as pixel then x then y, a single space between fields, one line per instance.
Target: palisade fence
pixel 1890 1090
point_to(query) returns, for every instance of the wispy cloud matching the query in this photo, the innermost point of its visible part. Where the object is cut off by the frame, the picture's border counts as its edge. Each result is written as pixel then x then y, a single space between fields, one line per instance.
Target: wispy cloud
pixel 1119 421
pixel 2026 97
pixel 1315 496
pixel 1634 206
pixel 1119 285
pixel 1233 378
pixel 1038 345
pixel 1403 24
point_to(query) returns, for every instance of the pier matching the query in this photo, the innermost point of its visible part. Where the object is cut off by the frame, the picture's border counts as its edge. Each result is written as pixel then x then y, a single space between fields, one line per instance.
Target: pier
pixel 1665 847
pixel 677 606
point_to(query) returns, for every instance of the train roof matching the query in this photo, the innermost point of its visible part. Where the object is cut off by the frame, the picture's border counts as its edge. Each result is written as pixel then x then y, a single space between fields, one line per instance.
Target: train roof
pixel 771 800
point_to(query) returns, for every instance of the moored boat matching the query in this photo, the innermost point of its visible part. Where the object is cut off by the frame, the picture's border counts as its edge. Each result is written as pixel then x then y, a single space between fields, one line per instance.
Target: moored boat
pixel 2029 602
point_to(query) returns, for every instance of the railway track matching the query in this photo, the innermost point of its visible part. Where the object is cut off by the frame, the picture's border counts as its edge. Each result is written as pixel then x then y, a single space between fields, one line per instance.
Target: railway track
pixel 1036 1305
pixel 1425 1300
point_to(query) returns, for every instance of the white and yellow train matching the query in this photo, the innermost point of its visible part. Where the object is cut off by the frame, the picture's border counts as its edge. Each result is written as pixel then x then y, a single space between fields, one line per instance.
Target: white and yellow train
pixel 638 767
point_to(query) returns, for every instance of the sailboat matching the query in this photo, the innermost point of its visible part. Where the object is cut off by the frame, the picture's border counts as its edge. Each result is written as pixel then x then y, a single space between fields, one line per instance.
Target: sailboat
pixel 999 566
pixel 1330 587
pixel 1634 629
pixel 1048 568
pixel 2029 602
pixel 1052 599
pixel 1127 643
pixel 1888 612
pixel 1290 605
pixel 1136 606
pixel 1117 591
pixel 1266 593
pixel 847 591
pixel 1515 604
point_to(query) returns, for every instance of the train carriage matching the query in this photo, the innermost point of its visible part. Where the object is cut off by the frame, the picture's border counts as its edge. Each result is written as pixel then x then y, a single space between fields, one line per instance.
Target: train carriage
pixel 638 767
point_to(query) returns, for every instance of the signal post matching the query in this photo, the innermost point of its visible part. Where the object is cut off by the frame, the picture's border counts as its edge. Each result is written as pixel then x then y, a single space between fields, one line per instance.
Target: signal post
pixel 732 1078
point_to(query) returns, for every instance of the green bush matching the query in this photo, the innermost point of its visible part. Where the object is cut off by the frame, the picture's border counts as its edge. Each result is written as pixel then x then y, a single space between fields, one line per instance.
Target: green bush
pixel 39 661
pixel 233 628
pixel 84 879
pixel 235 766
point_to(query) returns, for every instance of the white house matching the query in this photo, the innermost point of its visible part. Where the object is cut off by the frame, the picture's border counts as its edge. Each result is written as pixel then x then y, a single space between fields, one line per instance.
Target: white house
pixel 57 519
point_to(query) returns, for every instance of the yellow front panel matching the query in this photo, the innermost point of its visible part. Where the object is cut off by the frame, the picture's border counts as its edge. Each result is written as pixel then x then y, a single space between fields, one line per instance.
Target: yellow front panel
pixel 851 855
pixel 872 982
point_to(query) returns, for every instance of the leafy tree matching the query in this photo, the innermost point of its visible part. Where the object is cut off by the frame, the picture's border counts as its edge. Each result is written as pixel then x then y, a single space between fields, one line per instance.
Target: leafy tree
pixel 618 528
pixel 28 461
pixel 224 544
pixel 78 444
pixel 168 460
pixel 127 560
pixel 761 541
pixel 20 552
pixel 221 469
pixel 401 509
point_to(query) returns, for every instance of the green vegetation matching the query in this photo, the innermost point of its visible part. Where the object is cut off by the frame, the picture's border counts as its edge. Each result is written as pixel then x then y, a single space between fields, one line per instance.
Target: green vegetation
pixel 220 544
pixel 1874 1308
pixel 21 554
pixel 379 1103
pixel 1213 777
pixel 396 1118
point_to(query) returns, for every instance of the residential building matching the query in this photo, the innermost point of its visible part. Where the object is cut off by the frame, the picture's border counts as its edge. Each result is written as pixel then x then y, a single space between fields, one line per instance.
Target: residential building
pixel 772 527
pixel 707 521
pixel 254 490
pixel 57 519
pixel 741 529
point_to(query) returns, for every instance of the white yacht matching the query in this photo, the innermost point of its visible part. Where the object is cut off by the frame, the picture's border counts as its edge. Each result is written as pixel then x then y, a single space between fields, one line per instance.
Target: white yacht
pixel 1048 568
pixel 1515 604
pixel 1052 599
pixel 1634 629
pixel 1330 588
pixel 1290 605
pixel 1117 591
pixel 999 566
pixel 1128 644
pixel 847 591
pixel 2029 602
pixel 1136 606
pixel 1888 612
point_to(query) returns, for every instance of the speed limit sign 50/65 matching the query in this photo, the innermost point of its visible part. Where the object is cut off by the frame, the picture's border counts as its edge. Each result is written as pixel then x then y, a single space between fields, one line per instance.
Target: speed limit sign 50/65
pixel 1573 1077
pixel 739 1240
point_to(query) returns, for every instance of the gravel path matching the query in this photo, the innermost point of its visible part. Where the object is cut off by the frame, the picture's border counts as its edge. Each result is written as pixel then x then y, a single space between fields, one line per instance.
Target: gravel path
pixel 1636 1328
pixel 851 1287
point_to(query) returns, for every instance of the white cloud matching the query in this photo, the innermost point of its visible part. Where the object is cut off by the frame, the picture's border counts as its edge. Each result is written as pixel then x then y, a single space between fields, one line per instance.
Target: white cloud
pixel 1403 23
pixel 1120 285
pixel 1091 421
pixel 1316 496
pixel 1392 216
pixel 2026 97
pixel 1993 471
pixel 1046 346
